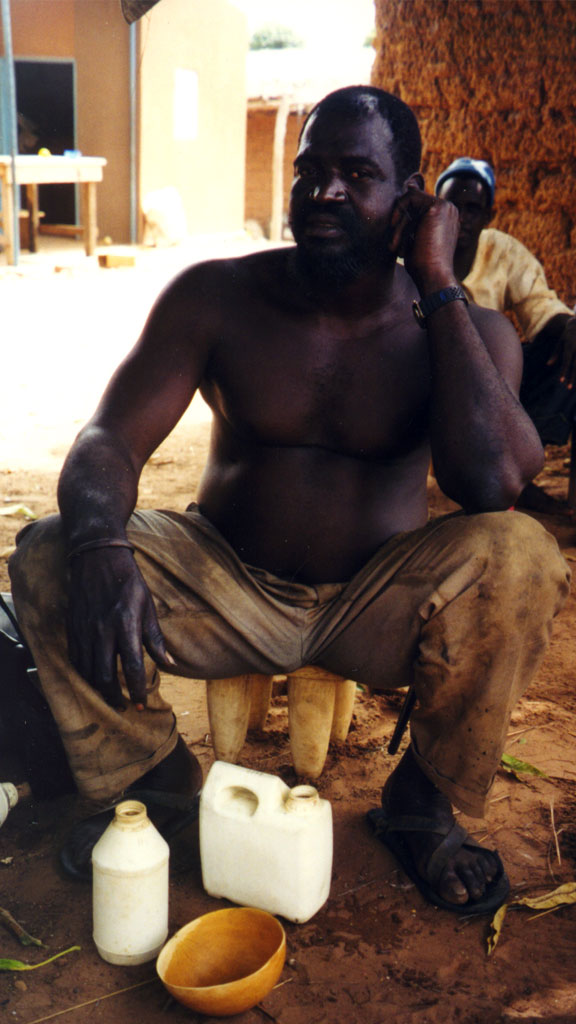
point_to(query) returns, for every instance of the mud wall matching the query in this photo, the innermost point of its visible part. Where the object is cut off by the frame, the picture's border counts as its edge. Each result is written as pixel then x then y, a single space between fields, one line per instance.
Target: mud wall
pixel 205 39
pixel 259 148
pixel 494 79
pixel 195 142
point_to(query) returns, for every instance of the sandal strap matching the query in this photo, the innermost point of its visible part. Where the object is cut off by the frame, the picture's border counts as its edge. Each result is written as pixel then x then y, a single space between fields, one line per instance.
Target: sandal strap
pixel 456 838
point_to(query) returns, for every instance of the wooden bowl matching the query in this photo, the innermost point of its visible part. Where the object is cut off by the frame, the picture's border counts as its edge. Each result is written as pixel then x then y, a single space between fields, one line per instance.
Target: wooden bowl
pixel 224 962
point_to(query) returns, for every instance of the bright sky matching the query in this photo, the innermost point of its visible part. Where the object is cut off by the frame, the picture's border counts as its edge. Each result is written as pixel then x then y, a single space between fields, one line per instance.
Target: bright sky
pixel 326 22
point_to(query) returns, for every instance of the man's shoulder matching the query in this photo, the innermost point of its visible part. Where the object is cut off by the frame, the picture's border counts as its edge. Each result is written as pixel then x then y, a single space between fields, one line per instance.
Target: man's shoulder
pixel 500 244
pixel 207 286
pixel 494 235
pixel 234 268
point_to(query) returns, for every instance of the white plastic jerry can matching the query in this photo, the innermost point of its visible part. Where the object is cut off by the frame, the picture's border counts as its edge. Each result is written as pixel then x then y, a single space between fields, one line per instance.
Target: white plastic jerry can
pixel 263 844
pixel 130 888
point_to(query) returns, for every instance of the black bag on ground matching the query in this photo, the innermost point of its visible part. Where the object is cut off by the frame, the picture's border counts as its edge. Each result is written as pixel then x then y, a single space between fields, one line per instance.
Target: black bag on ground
pixel 27 727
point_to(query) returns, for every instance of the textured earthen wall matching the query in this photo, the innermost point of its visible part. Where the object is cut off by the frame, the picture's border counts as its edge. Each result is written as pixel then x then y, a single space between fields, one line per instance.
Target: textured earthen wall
pixel 496 80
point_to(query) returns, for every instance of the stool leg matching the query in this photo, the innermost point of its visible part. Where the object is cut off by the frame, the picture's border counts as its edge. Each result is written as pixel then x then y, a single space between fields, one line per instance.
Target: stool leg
pixel 311 698
pixel 260 692
pixel 343 708
pixel 228 714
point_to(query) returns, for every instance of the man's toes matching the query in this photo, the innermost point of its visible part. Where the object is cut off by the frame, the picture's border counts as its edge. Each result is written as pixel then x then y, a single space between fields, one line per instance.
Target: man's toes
pixel 451 888
pixel 474 880
pixel 475 873
pixel 490 866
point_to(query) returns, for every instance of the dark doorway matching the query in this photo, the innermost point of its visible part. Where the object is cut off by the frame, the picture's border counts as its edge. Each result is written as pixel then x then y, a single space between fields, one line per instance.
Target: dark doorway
pixel 45 102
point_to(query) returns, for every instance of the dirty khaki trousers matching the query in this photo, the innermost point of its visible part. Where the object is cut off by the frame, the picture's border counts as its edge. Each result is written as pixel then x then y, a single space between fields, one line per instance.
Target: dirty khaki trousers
pixel 462 608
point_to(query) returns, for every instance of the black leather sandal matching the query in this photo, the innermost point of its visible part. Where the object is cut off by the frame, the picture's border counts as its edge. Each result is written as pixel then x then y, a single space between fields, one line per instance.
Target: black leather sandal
pixel 389 829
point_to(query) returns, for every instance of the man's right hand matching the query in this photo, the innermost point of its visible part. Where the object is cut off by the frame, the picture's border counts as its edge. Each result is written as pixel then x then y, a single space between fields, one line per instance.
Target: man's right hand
pixel 111 615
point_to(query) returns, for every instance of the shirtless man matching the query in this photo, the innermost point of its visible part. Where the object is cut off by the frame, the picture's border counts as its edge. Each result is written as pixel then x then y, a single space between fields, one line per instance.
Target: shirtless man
pixel 310 541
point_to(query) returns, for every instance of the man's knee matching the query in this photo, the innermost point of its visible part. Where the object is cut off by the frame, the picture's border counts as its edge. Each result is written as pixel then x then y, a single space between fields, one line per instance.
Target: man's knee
pixel 37 566
pixel 522 557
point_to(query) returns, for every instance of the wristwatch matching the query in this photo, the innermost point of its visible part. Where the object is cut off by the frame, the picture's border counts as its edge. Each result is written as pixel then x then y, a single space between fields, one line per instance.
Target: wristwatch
pixel 431 303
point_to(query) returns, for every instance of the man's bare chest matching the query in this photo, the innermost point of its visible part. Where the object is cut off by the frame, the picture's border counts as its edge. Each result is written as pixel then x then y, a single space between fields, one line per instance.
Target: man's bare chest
pixel 306 383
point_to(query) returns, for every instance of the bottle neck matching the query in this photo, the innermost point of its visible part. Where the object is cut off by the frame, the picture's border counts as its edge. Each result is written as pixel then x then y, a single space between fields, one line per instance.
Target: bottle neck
pixel 131 814
pixel 302 799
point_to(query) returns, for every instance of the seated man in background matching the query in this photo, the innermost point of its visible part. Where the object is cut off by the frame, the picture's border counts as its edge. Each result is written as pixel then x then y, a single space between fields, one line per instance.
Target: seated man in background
pixel 498 272
pixel 334 373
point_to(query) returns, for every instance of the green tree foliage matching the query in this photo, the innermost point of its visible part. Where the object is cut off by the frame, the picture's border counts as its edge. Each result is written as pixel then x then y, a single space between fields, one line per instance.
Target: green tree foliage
pixel 275 37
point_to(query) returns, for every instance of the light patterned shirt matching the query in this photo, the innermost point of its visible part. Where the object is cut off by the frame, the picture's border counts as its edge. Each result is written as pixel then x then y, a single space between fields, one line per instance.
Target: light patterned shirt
pixel 507 277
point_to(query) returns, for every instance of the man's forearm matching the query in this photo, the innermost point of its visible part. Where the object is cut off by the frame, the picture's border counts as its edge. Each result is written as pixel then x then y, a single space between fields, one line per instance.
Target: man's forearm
pixel 97 490
pixel 484 446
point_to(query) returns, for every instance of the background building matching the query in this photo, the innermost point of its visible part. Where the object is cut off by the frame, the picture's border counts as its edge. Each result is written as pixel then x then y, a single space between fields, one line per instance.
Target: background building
pixel 282 87
pixel 162 100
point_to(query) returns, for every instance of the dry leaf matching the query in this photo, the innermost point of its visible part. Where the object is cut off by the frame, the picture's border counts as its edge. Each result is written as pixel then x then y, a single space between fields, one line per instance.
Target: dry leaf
pixel 20 511
pixel 512 764
pixel 17 965
pixel 496 927
pixel 564 895
pixel 6 918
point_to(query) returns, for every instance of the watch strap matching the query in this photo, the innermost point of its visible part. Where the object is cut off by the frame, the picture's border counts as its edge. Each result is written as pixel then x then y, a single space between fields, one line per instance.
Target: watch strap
pixel 435 301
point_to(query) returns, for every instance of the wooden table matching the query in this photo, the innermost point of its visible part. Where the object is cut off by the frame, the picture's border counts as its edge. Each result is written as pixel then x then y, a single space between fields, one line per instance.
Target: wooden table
pixel 32 171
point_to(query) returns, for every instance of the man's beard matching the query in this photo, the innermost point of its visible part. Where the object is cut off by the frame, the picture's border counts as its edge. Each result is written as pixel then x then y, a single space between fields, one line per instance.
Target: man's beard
pixel 326 265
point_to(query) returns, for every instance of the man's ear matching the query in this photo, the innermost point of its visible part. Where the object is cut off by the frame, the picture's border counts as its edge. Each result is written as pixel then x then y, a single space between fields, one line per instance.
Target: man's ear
pixel 416 181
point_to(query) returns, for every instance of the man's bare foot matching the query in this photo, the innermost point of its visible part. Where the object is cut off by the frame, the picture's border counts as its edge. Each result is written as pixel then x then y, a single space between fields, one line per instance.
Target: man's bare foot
pixel 448 867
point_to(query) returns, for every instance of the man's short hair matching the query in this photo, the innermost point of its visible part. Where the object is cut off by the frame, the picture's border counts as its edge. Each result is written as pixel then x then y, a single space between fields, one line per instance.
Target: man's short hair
pixel 360 101
pixel 466 167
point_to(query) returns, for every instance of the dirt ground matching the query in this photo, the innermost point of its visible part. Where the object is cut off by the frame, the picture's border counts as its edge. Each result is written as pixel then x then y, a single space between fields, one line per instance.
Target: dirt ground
pixel 376 952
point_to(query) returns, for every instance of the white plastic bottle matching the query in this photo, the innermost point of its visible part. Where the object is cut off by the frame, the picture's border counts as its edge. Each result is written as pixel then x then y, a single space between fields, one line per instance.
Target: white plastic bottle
pixel 130 887
pixel 263 844
pixel 8 799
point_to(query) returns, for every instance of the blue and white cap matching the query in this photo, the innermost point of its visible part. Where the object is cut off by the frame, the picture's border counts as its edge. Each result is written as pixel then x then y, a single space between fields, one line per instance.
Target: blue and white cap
pixel 466 167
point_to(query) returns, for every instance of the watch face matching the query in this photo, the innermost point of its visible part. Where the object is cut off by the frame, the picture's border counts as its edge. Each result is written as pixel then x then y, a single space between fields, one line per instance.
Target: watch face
pixel 431 303
pixel 421 319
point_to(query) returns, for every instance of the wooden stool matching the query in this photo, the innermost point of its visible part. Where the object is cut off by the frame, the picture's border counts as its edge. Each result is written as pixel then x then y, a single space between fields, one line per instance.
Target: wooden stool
pixel 320 706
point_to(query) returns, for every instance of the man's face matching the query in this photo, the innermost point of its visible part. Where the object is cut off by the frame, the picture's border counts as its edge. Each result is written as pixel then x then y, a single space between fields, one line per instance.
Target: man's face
pixel 471 200
pixel 343 194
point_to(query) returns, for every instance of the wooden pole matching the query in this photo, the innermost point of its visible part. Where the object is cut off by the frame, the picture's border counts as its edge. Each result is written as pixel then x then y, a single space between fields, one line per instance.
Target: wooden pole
pixel 278 169
pixel 11 216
